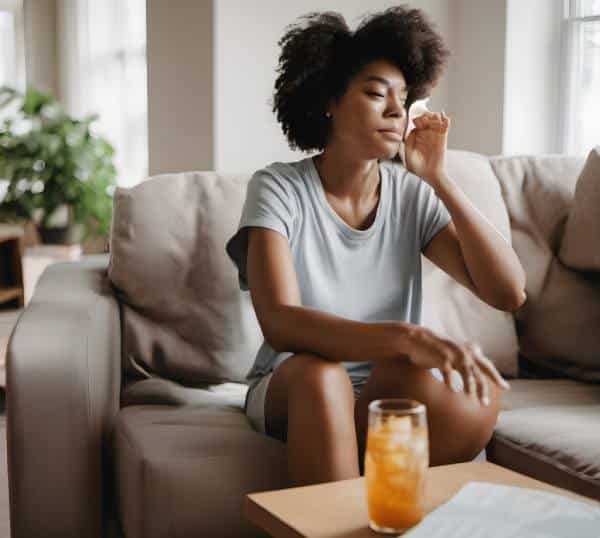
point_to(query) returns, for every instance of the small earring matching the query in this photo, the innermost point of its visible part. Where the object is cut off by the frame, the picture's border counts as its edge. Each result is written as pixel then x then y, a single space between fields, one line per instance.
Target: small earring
pixel 327 114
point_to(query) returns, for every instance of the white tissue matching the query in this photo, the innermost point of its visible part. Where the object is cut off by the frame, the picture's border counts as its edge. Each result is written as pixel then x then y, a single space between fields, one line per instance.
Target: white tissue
pixel 416 109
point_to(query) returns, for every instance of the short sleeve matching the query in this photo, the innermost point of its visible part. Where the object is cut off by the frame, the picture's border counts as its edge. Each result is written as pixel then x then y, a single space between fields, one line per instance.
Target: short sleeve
pixel 433 215
pixel 269 203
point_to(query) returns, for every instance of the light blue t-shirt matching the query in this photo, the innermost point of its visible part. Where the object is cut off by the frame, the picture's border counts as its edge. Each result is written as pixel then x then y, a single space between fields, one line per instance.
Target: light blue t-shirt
pixel 364 275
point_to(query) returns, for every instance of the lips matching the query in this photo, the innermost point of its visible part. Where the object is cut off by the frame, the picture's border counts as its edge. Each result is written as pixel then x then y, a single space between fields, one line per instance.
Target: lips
pixel 391 134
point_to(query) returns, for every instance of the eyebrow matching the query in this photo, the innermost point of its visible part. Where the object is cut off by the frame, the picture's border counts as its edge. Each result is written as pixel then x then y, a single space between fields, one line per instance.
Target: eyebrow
pixel 382 80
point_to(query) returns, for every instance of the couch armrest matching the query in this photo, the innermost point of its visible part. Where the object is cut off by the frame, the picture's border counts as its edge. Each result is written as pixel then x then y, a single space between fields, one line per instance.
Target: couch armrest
pixel 63 377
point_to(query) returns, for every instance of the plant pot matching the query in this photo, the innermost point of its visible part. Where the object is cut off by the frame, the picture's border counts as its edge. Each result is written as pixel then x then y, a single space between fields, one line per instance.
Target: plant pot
pixel 60 228
pixel 63 235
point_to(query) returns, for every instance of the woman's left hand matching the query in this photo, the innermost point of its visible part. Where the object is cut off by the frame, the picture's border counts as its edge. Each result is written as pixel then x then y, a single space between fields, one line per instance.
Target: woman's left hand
pixel 425 146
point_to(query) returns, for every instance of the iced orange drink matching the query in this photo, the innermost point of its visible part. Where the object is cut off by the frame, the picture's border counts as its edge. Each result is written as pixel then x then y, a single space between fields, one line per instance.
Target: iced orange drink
pixel 396 462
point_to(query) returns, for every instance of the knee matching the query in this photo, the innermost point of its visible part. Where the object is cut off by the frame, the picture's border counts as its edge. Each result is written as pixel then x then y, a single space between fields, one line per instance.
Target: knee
pixel 459 425
pixel 320 378
pixel 462 426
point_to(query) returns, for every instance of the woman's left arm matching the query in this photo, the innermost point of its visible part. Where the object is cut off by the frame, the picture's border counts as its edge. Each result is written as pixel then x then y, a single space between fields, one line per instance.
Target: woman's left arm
pixel 491 262
pixel 469 248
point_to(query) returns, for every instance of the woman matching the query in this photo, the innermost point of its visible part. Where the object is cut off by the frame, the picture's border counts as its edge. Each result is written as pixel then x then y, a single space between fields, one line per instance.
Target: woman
pixel 329 248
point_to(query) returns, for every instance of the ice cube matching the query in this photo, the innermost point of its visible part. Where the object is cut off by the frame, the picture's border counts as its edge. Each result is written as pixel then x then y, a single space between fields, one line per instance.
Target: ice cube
pixel 399 424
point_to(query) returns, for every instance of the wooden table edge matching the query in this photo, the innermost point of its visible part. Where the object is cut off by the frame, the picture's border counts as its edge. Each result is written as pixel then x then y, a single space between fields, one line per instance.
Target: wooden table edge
pixel 256 512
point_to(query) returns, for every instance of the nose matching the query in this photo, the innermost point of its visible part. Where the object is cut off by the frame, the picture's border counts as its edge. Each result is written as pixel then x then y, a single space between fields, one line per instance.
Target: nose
pixel 396 108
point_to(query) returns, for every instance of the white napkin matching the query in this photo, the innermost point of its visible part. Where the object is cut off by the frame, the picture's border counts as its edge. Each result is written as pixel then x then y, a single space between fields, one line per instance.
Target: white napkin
pixel 416 109
pixel 489 510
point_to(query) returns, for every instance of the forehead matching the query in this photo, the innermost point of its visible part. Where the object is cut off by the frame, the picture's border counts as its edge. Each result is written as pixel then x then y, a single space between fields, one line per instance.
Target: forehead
pixel 384 73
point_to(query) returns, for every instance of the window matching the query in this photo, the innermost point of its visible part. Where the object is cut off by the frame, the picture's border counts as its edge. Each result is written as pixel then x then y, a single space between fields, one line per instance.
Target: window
pixel 12 53
pixel 580 90
pixel 116 81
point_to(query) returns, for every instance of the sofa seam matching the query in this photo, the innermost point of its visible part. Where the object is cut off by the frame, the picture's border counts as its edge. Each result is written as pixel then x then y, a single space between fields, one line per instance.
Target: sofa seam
pixel 546 459
pixel 133 446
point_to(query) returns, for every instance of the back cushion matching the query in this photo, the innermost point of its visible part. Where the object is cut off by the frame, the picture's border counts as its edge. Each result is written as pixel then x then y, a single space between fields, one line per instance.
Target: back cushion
pixel 580 245
pixel 184 317
pixel 449 308
pixel 559 325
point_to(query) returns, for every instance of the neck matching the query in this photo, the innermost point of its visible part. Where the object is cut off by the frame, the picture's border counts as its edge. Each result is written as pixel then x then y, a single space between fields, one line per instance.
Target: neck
pixel 346 177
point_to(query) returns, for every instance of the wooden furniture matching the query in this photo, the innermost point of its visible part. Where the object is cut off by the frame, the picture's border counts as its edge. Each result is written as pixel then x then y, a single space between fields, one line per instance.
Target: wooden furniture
pixel 11 267
pixel 340 508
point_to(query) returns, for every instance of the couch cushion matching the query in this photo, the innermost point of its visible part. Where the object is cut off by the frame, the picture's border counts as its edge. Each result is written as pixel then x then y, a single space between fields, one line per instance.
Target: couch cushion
pixel 550 430
pixel 184 471
pixel 448 307
pixel 526 393
pixel 580 246
pixel 158 391
pixel 558 324
pixel 559 445
pixel 184 317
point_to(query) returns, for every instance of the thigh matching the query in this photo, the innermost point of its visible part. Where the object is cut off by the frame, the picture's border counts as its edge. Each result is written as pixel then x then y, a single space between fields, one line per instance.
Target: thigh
pixel 458 424
pixel 292 373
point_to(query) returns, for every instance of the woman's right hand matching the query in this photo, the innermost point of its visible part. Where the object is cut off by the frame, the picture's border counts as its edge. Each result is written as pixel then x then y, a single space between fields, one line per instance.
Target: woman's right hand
pixel 429 350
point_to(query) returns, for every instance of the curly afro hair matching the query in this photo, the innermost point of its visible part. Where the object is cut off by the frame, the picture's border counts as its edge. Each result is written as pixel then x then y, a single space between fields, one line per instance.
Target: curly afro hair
pixel 319 59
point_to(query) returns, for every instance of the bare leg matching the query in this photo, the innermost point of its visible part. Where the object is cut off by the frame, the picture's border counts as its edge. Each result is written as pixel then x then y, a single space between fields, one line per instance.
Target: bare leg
pixel 459 426
pixel 310 405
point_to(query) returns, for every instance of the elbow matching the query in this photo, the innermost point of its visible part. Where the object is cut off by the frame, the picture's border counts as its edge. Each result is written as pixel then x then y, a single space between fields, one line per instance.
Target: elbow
pixel 514 303
pixel 511 304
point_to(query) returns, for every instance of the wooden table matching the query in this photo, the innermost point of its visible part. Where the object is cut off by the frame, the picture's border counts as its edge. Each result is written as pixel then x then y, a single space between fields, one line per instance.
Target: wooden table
pixel 340 508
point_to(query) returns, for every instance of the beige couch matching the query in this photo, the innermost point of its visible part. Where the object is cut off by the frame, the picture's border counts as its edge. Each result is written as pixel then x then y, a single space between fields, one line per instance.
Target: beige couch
pixel 125 372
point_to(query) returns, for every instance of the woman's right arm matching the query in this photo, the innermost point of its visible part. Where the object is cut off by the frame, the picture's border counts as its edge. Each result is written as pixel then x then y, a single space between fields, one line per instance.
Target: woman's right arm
pixel 289 326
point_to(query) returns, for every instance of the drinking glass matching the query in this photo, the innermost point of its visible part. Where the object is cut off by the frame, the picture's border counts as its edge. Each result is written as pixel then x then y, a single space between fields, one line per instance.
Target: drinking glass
pixel 396 462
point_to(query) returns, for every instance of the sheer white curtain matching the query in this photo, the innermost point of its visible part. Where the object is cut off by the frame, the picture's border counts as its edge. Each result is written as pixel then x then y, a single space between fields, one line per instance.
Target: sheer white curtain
pixel 12 45
pixel 579 128
pixel 102 59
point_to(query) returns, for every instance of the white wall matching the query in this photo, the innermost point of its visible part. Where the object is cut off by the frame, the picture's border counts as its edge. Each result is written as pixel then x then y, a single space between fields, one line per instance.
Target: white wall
pixel 476 75
pixel 180 85
pixel 211 72
pixel 247 134
pixel 532 77
pixel 41 45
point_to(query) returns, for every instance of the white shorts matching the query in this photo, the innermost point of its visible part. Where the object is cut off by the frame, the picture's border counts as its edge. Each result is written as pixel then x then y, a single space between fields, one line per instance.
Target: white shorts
pixel 254 406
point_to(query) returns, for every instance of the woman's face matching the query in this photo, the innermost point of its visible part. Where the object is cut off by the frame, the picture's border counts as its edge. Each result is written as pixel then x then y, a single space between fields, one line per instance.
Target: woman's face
pixel 375 100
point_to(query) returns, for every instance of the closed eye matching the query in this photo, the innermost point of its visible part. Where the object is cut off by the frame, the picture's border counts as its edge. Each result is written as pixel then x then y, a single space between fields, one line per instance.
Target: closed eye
pixel 380 95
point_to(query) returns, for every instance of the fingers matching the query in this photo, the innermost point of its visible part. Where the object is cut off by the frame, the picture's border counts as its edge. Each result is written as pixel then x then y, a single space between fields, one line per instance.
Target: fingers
pixel 488 367
pixel 464 364
pixel 434 120
pixel 446 370
pixel 483 391
pixel 475 369
pixel 474 376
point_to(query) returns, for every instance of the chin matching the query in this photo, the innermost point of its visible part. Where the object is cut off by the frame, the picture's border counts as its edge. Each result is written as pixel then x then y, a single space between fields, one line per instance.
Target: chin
pixel 391 151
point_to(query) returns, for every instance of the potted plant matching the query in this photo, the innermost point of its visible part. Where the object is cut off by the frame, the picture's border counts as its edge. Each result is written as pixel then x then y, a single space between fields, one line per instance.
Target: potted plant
pixel 57 173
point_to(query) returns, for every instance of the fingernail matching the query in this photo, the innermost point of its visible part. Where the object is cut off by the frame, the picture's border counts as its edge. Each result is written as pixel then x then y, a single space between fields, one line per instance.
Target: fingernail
pixel 486 400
